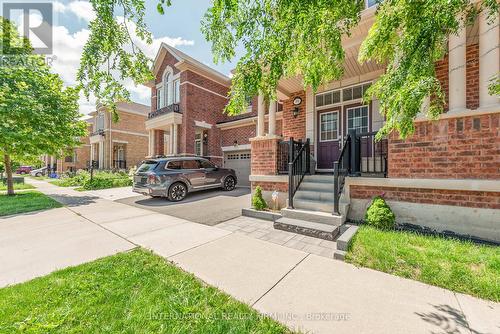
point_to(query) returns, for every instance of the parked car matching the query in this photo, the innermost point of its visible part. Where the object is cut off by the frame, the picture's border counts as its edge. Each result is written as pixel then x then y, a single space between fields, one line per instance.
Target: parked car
pixel 23 170
pixel 175 177
pixel 39 171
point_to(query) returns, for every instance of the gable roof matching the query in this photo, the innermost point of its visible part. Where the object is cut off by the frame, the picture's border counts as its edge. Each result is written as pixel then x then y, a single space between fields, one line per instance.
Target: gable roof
pixel 185 62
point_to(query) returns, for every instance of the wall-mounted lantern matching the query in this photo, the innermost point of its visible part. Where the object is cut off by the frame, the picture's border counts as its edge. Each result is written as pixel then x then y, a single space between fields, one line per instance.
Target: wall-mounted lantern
pixel 296 102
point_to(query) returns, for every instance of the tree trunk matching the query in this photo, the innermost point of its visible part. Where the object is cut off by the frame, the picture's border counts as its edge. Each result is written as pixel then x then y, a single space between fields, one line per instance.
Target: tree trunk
pixel 8 171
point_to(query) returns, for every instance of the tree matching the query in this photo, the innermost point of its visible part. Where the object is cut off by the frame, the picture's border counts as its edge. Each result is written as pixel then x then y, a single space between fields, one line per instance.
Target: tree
pixel 303 37
pixel 37 114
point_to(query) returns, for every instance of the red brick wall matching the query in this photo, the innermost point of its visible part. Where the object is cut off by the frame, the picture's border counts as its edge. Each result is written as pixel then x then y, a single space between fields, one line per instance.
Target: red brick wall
pixel 159 141
pixel 472 76
pixel 264 153
pixel 442 74
pixel 294 127
pixel 474 199
pixel 271 186
pixel 242 134
pixel 456 148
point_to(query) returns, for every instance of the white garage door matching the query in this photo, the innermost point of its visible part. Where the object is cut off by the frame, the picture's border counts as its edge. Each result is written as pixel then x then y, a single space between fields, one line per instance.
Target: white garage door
pixel 240 162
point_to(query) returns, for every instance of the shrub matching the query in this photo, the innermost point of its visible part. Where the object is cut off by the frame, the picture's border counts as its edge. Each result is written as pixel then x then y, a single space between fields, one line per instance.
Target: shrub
pixel 258 202
pixel 104 180
pixel 380 215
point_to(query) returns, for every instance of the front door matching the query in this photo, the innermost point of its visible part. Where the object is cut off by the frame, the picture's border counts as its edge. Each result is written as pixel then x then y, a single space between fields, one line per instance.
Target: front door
pixel 328 138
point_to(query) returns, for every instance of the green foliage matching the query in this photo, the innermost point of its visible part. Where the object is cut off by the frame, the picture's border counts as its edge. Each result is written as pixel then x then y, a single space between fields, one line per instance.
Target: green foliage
pixel 131 292
pixel 460 266
pixel 494 88
pixel 26 202
pixel 104 180
pixel 37 114
pixel 111 54
pixel 380 215
pixel 258 201
pixel 410 36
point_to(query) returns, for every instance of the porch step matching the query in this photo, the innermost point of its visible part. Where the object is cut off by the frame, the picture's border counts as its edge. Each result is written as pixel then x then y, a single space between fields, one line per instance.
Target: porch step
pixel 313 216
pixel 319 178
pixel 323 196
pixel 312 229
pixel 316 186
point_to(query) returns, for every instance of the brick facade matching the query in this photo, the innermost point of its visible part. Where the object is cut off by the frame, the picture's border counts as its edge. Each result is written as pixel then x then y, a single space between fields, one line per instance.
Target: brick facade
pixel 294 126
pixel 271 186
pixel 442 74
pixel 472 199
pixel 460 148
pixel 264 153
pixel 472 76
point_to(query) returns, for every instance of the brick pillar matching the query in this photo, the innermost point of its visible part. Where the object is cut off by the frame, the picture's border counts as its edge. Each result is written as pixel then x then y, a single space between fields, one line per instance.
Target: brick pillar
pixel 264 155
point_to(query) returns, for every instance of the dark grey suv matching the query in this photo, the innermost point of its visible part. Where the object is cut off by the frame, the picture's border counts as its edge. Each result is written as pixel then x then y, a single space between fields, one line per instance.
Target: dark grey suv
pixel 175 177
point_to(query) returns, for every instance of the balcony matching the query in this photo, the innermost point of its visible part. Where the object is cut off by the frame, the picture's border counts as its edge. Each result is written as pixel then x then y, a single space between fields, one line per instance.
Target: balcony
pixel 96 136
pixel 99 132
pixel 173 108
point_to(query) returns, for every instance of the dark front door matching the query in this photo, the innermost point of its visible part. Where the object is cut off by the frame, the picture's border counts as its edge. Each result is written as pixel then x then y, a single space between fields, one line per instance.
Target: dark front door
pixel 328 138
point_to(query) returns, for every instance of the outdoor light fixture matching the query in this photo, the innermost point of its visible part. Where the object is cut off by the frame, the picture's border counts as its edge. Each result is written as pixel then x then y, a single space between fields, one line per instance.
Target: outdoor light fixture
pixel 296 102
pixel 205 138
pixel 235 143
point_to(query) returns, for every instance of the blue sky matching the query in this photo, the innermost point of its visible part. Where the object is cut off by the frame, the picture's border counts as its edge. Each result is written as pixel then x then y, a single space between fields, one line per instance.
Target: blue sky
pixel 179 27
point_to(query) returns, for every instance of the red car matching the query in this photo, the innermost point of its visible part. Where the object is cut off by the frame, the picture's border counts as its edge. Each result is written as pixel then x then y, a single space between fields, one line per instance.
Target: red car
pixel 24 170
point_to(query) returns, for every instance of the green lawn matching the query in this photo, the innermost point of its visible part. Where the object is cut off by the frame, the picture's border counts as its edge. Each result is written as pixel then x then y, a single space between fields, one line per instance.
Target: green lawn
pixel 17 186
pixel 25 202
pixel 134 292
pixel 452 264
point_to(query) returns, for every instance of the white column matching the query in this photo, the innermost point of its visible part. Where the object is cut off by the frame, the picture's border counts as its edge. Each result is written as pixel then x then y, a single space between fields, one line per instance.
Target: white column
pixel 101 155
pixel 272 118
pixel 456 68
pixel 488 58
pixel 261 111
pixel 174 141
pixel 153 142
pixel 92 153
pixel 149 143
pixel 171 142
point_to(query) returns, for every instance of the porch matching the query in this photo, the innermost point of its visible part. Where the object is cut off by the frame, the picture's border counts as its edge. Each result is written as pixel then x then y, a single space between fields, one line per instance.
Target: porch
pixel 163 128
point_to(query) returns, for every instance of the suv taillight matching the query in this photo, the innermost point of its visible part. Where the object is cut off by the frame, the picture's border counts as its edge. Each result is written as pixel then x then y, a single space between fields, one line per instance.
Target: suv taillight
pixel 152 179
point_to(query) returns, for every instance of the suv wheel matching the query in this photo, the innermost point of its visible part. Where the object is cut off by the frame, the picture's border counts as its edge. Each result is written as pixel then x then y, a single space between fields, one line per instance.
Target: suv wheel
pixel 229 183
pixel 177 192
pixel 38 174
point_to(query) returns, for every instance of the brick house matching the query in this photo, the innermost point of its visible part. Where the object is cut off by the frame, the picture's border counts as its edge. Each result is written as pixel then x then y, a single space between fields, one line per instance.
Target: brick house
pixel 445 177
pixel 186 118
pixel 119 145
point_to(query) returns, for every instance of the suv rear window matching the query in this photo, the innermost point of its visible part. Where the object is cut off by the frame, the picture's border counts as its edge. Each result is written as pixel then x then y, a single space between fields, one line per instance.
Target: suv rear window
pixel 176 164
pixel 190 164
pixel 147 166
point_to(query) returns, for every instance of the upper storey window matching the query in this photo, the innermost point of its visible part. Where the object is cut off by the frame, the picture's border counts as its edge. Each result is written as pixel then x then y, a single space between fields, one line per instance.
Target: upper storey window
pixel 168 92
pixel 100 121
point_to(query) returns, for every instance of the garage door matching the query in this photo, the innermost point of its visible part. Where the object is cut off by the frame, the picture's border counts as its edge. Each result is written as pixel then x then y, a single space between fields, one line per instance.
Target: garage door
pixel 240 162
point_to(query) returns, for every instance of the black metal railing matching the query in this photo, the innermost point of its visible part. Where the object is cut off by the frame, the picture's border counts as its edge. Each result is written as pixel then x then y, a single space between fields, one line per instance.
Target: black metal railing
pixel 372 154
pixel 298 167
pixel 99 132
pixel 341 169
pixel 175 107
pixel 119 164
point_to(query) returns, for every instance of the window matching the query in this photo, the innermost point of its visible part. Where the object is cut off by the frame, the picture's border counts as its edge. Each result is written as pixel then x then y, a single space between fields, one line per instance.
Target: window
pixel 100 121
pixel 176 164
pixel 206 164
pixel 177 91
pixel 355 92
pixel 166 89
pixel 357 119
pixel 159 98
pixel 198 148
pixel 245 156
pixel 328 98
pixel 147 166
pixel 329 126
pixel 190 164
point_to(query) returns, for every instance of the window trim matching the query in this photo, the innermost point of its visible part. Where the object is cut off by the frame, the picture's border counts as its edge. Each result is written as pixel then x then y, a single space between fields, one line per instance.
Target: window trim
pixel 341 90
pixel 338 123
pixel 354 107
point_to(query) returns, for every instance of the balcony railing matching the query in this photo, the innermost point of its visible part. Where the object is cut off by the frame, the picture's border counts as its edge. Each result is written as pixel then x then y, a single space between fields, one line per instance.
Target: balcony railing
pixel 99 132
pixel 175 107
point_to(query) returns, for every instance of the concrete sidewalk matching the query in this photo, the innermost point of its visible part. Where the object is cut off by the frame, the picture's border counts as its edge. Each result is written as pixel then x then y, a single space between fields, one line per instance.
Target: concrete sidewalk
pixel 304 291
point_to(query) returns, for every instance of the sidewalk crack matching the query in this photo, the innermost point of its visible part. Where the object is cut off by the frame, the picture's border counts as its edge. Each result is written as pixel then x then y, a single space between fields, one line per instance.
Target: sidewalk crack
pixel 463 313
pixel 278 282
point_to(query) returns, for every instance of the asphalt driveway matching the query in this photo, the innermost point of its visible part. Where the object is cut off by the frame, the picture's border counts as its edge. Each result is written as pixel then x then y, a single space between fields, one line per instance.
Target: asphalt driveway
pixel 209 207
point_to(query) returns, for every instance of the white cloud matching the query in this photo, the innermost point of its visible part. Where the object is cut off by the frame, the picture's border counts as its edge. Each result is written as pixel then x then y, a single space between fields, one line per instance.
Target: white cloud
pixel 82 9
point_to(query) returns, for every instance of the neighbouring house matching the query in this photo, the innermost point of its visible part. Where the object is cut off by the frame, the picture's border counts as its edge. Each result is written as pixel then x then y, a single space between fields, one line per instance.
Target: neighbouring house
pixel 77 159
pixel 122 144
pixel 187 118
pixel 445 177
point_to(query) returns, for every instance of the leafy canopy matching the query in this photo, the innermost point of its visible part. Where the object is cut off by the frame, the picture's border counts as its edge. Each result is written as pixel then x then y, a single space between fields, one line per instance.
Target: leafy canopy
pixel 37 114
pixel 287 38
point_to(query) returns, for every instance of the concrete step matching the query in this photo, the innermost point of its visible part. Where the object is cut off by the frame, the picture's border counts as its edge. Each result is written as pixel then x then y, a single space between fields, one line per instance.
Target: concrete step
pixel 322 196
pixel 339 255
pixel 312 205
pixel 319 178
pixel 316 186
pixel 313 216
pixel 312 229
